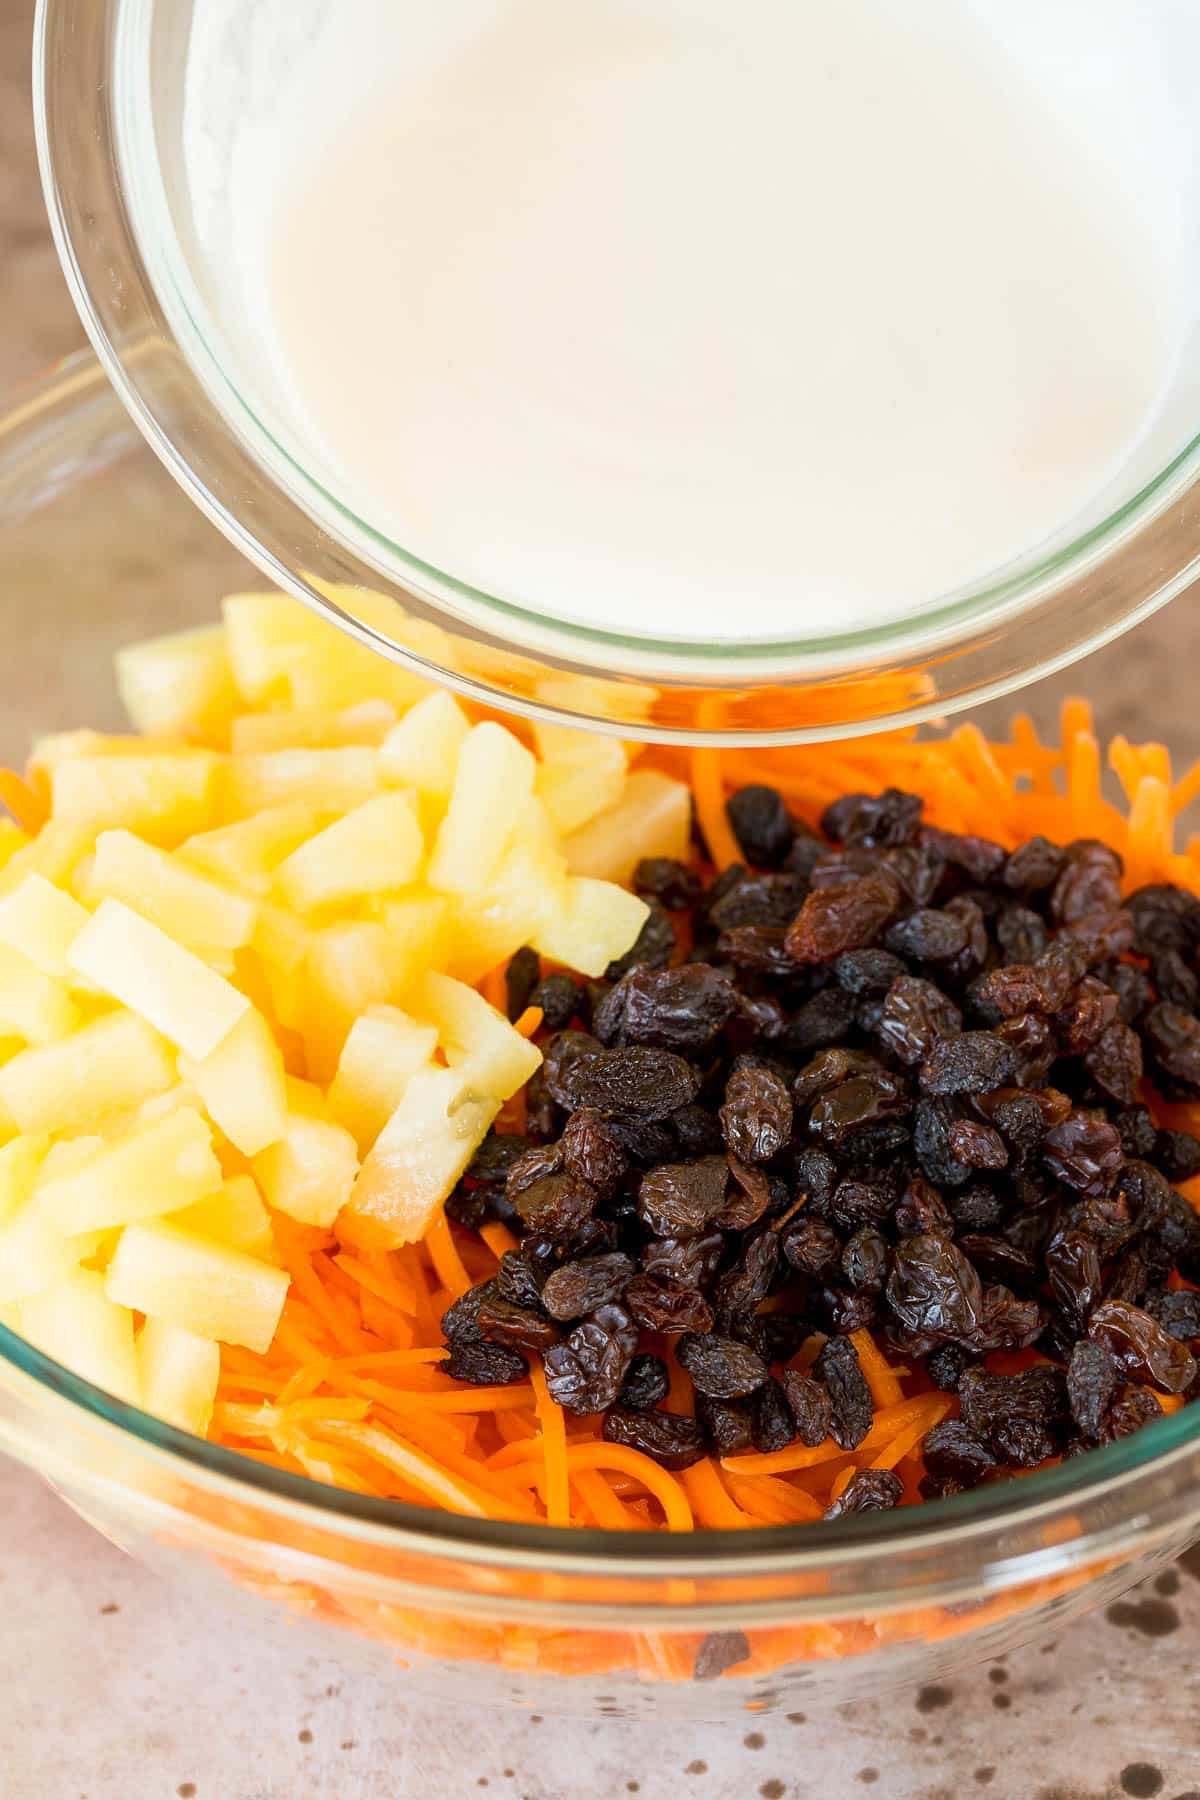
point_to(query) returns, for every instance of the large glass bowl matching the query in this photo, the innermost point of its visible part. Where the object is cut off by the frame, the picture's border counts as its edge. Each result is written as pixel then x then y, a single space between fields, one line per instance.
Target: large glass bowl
pixel 98 546
pixel 110 79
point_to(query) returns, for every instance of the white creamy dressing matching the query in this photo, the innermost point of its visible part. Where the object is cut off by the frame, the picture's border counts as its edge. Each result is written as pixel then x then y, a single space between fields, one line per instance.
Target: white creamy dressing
pixel 716 319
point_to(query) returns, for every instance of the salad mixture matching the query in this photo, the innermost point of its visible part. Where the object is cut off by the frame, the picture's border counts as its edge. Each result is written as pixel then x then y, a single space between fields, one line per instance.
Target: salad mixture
pixel 550 1129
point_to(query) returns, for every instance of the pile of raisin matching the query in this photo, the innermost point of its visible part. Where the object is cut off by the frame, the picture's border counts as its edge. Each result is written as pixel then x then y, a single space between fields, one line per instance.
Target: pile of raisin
pixel 879 1075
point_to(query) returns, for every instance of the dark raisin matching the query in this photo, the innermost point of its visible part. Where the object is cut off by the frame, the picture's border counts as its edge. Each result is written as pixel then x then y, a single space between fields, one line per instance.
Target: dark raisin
pixel 772 1427
pixel 1132 987
pixel 916 1015
pixel 1035 866
pixel 558 997
pixel 842 918
pixel 759 950
pixel 1114 1063
pixel 1173 1039
pixel 698 1131
pixel 865 1115
pixel 756 1116
pixel 831 1066
pixel 580 1287
pixel 1143 1350
pixel 927 935
pixel 719 1650
pixel 954 1454
pixel 823 1021
pixel 1021 934
pixel 681 1199
pixel 850 1398
pixel 517 1279
pixel 934 1292
pixel 867 1491
pixel 978 1146
pixel 979 859
pixel 520 978
pixel 1084 1151
pixel 728 1425
pixel 972 1063
pixel 1033 1045
pixel 542 1112
pixel 1019 1417
pixel 1175 980
pixel 1177 1154
pixel 946 1366
pixel 641 1082
pixel 746 1285
pixel 584 1373
pixel 1091 1382
pixel 932 1122
pixel 869 971
pixel 922 1209
pixel 810 1405
pixel 519 1327
pixel 865 1260
pixel 496 1156
pixel 1132 1408
pixel 664 879
pixel 861 1199
pixel 645 1141
pixel 1089 883
pixel 812 1246
pixel 977 1208
pixel 593 1152
pixel 1177 1311
pixel 683 1009
pixel 721 1367
pixel 556 1205
pixel 999 1260
pixel 760 823
pixel 484 1365
pixel 873 821
pixel 653 947
pixel 690 1262
pixel 1073 1265
pixel 757 900
pixel 471 1207
pixel 1165 918
pixel 669 1439
pixel 660 1303
pixel 646 1384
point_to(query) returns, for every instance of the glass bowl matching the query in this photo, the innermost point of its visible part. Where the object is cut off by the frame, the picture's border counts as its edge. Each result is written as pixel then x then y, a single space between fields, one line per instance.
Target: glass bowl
pixel 110 83
pixel 98 546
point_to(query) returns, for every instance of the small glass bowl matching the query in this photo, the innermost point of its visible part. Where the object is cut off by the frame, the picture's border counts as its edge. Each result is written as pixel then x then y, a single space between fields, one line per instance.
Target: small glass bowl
pixel 110 78
pixel 98 547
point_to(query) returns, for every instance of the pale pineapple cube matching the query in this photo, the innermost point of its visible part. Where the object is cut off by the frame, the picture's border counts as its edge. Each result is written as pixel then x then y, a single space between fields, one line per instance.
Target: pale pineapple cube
pixel 313 728
pixel 166 1164
pixel 309 1174
pixel 580 774
pixel 178 1373
pixel 42 922
pixel 200 1286
pixel 235 1215
pixel 527 890
pixel 54 854
pixel 266 634
pixel 326 780
pixel 385 1047
pixel 20 1161
pixel 247 854
pixel 493 780
pixel 115 1061
pixel 653 817
pixel 419 928
pixel 179 686
pixel 478 1041
pixel 126 956
pixel 281 650
pixel 419 1156
pixel 305 1098
pixel 422 750
pixel 163 795
pixel 198 913
pixel 241 1084
pixel 281 945
pixel 349 967
pixel 34 1255
pixel 12 839
pixel 87 1331
pixel 596 923
pixel 375 848
pixel 33 1006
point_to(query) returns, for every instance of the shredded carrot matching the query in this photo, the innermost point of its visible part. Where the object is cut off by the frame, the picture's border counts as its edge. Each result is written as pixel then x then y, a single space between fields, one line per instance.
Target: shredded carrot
pixel 708 788
pixel 554 1449
pixel 494 988
pixel 529 1023
pixel 439 1241
pixel 880 1376
pixel 29 808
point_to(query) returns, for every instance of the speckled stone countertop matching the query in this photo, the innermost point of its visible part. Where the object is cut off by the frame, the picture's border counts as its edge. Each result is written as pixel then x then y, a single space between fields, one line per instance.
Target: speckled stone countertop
pixel 113 1688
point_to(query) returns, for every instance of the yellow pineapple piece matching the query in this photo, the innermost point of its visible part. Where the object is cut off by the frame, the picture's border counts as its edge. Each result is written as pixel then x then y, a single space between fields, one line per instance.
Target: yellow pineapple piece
pixel 282 651
pixel 596 923
pixel 309 1174
pixel 41 922
pixel 349 967
pixel 179 686
pixel 384 1048
pixel 325 780
pixel 478 1041
pixel 203 1287
pixel 419 927
pixel 166 1164
pixel 54 854
pixel 247 854
pixel 126 956
pixel 113 1062
pixel 33 1006
pixel 418 1157
pixel 178 1373
pixel 235 1215
pixel 241 1084
pixel 653 817
pixel 313 728
pixel 163 795
pixel 82 1327
pixel 373 849
pixel 12 839
pixel 580 773
pixel 526 891
pixel 493 780
pixel 197 912
pixel 20 1160
pixel 422 750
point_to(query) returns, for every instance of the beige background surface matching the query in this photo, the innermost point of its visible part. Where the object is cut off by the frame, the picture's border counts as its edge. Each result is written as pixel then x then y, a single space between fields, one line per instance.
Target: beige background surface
pixel 111 1688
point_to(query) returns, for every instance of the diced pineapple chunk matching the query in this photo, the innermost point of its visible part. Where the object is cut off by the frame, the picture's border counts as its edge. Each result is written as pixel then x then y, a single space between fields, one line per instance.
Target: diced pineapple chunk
pixel 493 780
pixel 20 1161
pixel 163 795
pixel 115 1061
pixel 309 1174
pixel 179 686
pixel 371 850
pixel 418 1157
pixel 34 1255
pixel 580 774
pixel 241 1083
pixel 528 889
pixel 326 780
pixel 189 907
pixel 419 927
pixel 12 839
pixel 33 1006
pixel 283 651
pixel 126 956
pixel 178 1372
pixel 200 1286
pixel 385 1047
pixel 42 922
pixel 478 1041
pixel 248 853
pixel 653 817
pixel 54 854
pixel 313 728
pixel 266 635
pixel 166 1164
pixel 83 1328
pixel 422 750
pixel 596 923
pixel 234 1215
pixel 348 968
